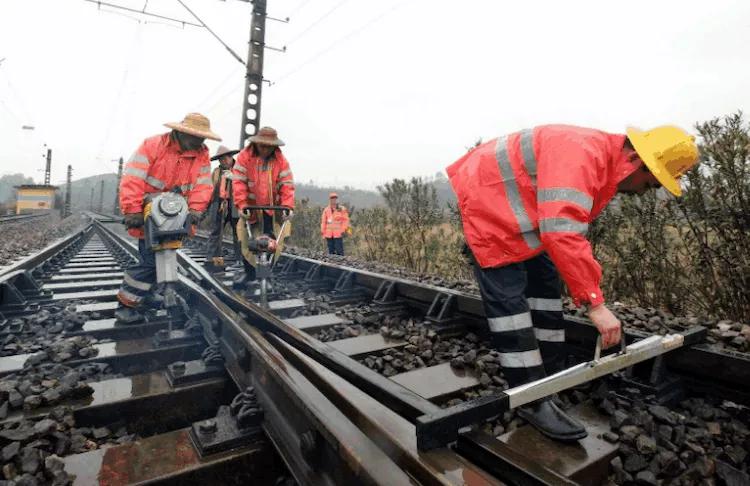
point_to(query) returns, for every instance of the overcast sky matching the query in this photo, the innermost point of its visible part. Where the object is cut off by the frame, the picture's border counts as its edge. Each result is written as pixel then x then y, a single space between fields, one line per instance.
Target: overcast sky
pixel 367 90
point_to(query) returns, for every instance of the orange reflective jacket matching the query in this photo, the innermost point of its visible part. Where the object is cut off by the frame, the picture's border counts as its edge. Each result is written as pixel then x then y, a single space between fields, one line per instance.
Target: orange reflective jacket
pixel 334 222
pixel 159 165
pixel 537 191
pixel 262 183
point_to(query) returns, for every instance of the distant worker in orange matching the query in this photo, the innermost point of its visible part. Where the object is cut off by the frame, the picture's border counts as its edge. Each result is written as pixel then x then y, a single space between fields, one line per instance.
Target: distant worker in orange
pixel 223 209
pixel 262 177
pixel 334 224
pixel 174 161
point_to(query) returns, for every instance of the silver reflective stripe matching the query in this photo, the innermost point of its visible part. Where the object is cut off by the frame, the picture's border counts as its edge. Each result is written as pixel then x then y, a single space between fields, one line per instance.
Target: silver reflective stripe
pixel 527 152
pixel 206 169
pixel 550 335
pixel 565 194
pixel 132 171
pixel 284 183
pixel 130 296
pixel 186 187
pixel 240 168
pixel 521 359
pixel 284 173
pixel 552 305
pixel 510 323
pixel 153 181
pixel 513 194
pixel 136 157
pixel 236 177
pixel 204 180
pixel 131 282
pixel 562 225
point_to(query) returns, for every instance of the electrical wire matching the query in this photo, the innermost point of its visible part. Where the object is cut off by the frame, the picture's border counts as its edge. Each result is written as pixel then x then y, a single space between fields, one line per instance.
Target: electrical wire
pixel 212 93
pixel 298 7
pixel 338 41
pixel 317 22
pixel 234 54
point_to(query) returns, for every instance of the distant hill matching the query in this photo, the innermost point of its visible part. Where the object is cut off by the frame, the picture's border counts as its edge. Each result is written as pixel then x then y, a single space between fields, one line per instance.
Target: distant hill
pixel 81 192
pixel 317 195
pixel 7 193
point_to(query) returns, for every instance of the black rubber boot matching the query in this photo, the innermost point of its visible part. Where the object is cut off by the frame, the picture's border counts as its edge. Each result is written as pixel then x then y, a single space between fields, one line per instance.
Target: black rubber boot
pixel 551 421
pixel 127 315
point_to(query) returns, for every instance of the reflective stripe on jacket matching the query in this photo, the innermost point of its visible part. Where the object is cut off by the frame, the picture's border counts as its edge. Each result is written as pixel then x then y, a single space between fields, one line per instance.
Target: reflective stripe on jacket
pixel 262 183
pixel 334 222
pixel 159 165
pixel 537 190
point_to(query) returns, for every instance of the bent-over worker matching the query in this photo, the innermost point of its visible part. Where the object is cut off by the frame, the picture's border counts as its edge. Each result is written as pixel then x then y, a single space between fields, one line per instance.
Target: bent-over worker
pixel 334 224
pixel 526 200
pixel 163 163
pixel 261 177
pixel 223 210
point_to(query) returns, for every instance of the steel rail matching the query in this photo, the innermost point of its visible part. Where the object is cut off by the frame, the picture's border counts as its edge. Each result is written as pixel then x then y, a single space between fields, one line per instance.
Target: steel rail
pixel 293 406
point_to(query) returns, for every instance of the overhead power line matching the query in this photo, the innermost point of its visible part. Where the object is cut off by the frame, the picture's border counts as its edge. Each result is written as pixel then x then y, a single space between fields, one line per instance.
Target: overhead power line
pixel 241 61
pixel 340 40
pixel 316 22
pixel 143 12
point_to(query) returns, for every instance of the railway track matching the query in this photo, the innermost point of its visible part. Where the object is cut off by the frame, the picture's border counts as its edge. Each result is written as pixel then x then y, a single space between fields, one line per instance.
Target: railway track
pixel 327 378
pixel 14 218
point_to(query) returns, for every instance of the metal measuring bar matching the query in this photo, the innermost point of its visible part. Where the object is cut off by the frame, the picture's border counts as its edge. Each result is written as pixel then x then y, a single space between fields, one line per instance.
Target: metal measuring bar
pixel 442 427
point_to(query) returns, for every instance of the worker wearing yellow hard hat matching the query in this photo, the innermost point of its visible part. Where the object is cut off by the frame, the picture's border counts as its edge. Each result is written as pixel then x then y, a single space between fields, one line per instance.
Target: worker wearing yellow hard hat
pixel 668 152
pixel 526 200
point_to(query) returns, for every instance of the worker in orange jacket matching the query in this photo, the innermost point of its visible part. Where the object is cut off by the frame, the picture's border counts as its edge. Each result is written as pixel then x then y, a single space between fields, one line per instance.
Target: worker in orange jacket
pixel 334 224
pixel 261 177
pixel 177 160
pixel 526 201
pixel 222 209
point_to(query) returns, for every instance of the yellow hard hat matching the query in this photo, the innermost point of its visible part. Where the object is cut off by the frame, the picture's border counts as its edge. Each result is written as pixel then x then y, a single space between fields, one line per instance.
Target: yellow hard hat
pixel 667 151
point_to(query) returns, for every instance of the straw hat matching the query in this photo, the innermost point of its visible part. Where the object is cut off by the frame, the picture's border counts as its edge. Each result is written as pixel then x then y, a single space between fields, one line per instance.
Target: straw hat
pixel 222 151
pixel 267 136
pixel 194 124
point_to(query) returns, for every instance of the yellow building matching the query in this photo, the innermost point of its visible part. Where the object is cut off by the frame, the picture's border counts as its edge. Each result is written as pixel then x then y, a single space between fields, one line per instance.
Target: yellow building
pixel 32 198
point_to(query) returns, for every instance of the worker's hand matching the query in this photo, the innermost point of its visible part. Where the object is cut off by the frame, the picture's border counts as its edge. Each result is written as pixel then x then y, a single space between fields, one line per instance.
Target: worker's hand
pixel 607 324
pixel 246 212
pixel 133 220
pixel 287 214
pixel 197 216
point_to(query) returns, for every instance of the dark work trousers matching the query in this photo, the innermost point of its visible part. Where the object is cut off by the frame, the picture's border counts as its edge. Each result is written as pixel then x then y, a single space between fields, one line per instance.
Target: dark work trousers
pixel 523 305
pixel 335 246
pixel 260 227
pixel 138 279
pixel 214 245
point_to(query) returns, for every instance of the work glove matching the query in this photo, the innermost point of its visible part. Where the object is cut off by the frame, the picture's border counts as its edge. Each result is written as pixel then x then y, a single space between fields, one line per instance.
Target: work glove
pixel 287 214
pixel 133 220
pixel 607 324
pixel 196 216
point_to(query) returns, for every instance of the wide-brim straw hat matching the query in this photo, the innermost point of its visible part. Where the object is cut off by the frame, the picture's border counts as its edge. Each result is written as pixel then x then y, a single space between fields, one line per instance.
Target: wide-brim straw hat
pixel 194 124
pixel 222 151
pixel 267 136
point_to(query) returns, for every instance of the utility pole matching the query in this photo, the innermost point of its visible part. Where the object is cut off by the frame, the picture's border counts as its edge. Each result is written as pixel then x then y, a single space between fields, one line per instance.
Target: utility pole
pixel 91 201
pixel 254 73
pixel 48 167
pixel 101 196
pixel 116 208
pixel 68 188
